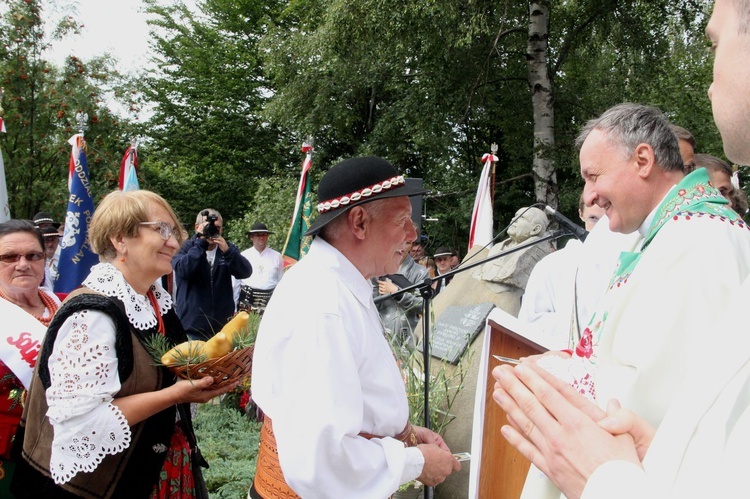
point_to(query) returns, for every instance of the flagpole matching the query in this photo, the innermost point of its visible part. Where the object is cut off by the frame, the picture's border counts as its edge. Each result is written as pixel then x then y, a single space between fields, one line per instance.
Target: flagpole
pixel 4 204
pixel 76 256
pixel 493 149
pixel 297 243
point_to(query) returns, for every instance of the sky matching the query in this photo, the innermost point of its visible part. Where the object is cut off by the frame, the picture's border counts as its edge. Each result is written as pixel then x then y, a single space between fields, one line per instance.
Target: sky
pixel 114 26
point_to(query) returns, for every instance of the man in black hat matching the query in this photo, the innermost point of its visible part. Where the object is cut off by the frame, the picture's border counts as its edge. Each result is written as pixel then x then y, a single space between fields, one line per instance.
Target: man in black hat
pixel 443 264
pixel 337 416
pixel 44 219
pixel 52 255
pixel 268 267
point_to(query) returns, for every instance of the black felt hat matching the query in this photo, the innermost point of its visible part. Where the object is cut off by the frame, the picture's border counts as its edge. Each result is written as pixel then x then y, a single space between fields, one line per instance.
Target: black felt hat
pixel 356 181
pixel 49 232
pixel 45 218
pixel 259 228
pixel 443 251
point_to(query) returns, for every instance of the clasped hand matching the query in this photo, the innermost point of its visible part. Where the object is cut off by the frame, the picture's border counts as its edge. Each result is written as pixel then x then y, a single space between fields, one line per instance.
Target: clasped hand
pixel 438 460
pixel 560 431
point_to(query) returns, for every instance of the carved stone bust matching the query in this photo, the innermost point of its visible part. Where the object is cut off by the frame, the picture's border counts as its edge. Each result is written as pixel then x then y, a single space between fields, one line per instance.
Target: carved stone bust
pixel 512 271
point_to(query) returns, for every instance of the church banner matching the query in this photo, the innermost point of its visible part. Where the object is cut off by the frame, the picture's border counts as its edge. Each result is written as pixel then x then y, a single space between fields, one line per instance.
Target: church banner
pixel 76 257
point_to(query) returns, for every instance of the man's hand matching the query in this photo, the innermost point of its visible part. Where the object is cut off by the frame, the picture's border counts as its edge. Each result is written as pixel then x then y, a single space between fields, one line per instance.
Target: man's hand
pixel 619 421
pixel 221 242
pixel 386 287
pixel 438 464
pixel 555 427
pixel 438 460
pixel 425 436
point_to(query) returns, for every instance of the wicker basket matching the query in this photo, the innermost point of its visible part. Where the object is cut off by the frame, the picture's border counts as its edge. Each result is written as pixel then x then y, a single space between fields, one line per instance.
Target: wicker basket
pixel 226 369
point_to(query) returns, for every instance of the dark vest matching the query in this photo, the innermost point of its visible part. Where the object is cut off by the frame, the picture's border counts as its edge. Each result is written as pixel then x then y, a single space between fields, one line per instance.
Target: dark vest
pixel 130 473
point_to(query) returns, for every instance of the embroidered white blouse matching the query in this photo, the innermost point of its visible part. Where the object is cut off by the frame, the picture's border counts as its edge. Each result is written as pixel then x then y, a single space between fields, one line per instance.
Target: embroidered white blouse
pixel 84 379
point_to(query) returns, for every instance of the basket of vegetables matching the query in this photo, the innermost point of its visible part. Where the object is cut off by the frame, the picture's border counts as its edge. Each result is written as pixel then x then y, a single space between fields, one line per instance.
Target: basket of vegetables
pixel 226 357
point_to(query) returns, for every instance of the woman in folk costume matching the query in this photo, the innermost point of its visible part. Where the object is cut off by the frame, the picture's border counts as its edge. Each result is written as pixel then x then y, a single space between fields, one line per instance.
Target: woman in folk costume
pixel 28 309
pixel 101 420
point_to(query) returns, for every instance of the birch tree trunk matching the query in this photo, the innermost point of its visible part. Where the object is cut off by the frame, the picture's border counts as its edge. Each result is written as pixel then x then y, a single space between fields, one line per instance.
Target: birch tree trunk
pixel 542 98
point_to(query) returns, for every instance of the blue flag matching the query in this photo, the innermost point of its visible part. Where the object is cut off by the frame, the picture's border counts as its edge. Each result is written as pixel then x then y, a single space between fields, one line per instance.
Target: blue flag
pixel 76 257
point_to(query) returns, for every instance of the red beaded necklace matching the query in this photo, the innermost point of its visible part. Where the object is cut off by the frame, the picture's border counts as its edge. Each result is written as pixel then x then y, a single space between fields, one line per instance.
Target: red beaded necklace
pixel 49 304
pixel 157 312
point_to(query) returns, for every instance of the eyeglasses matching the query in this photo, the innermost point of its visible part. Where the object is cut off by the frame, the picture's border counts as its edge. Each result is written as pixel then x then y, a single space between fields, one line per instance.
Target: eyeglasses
pixel 13 258
pixel 165 230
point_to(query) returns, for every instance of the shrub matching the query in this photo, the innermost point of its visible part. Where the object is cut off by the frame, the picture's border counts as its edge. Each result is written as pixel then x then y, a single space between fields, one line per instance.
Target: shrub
pixel 229 442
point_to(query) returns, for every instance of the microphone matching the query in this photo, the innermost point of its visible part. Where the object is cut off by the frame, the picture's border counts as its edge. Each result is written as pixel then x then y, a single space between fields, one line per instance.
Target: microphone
pixel 579 232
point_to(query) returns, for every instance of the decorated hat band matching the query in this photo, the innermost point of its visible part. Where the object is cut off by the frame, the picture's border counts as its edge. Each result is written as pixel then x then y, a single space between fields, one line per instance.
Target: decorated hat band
pixel 358 195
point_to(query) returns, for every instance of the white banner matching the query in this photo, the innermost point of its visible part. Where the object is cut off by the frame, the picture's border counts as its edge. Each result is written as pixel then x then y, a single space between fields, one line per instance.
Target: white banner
pixel 480 230
pixel 20 340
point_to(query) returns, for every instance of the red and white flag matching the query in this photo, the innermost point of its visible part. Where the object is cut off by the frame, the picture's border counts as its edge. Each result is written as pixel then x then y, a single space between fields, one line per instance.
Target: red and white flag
pixel 480 233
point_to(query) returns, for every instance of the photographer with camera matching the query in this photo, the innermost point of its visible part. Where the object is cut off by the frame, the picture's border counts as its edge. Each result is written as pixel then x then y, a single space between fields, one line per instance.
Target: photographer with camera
pixel 203 270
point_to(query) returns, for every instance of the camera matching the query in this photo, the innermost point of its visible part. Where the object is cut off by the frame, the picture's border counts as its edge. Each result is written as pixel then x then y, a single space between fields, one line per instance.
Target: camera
pixel 210 231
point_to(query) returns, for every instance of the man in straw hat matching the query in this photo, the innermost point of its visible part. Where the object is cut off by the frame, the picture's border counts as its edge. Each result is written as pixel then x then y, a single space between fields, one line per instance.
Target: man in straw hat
pixel 323 373
pixel 268 267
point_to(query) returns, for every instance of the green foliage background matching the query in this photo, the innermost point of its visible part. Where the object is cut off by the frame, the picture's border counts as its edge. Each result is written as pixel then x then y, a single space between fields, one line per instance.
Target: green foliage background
pixel 235 86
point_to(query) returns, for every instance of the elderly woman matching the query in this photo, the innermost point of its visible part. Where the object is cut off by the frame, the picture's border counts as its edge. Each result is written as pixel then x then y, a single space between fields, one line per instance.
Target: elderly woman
pixel 101 419
pixel 21 274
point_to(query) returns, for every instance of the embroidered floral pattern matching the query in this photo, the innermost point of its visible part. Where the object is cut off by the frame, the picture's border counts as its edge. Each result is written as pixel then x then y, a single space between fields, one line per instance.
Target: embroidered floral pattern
pixel 585 345
pixel 106 279
pixel 84 451
pixel 693 198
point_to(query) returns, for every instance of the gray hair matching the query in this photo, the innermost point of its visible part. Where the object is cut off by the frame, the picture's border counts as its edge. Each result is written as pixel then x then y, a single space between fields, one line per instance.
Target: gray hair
pixel 14 226
pixel 632 124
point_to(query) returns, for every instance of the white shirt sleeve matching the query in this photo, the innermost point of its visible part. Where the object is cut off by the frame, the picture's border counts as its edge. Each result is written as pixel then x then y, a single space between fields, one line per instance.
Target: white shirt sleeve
pixel 618 480
pixel 84 381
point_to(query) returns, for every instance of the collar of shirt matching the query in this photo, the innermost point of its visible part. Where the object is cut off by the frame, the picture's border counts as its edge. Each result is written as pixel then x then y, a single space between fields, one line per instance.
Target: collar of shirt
pixel 347 273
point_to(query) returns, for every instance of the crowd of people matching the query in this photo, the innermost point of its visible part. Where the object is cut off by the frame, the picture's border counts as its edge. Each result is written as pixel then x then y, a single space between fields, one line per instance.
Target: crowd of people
pixel 626 405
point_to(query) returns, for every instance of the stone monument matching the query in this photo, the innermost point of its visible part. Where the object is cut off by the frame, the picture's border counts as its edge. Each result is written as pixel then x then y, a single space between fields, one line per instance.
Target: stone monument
pixel 500 282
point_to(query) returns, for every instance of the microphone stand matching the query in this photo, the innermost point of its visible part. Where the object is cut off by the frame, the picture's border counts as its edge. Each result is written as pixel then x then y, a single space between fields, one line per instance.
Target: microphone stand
pixel 426 291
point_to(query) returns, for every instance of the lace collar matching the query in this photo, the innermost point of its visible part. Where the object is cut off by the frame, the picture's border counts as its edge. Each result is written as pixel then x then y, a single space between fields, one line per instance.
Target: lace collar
pixel 106 279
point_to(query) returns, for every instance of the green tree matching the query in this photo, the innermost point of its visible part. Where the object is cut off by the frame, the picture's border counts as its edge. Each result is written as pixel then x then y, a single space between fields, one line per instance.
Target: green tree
pixel 40 101
pixel 207 143
pixel 428 85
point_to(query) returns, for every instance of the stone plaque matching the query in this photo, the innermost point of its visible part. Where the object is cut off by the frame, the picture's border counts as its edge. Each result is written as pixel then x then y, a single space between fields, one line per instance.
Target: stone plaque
pixel 456 329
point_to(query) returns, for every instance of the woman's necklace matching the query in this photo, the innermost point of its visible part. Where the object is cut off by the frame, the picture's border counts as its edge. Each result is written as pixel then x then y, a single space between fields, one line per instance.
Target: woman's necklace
pixel 49 305
pixel 157 312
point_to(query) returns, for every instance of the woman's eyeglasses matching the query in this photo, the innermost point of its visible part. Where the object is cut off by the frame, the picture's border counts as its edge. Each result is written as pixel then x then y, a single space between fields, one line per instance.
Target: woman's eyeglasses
pixel 165 230
pixel 13 258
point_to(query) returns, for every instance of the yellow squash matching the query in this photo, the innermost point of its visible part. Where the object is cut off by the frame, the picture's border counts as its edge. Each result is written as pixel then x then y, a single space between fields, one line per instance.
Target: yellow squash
pixel 189 351
pixel 237 324
pixel 220 344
